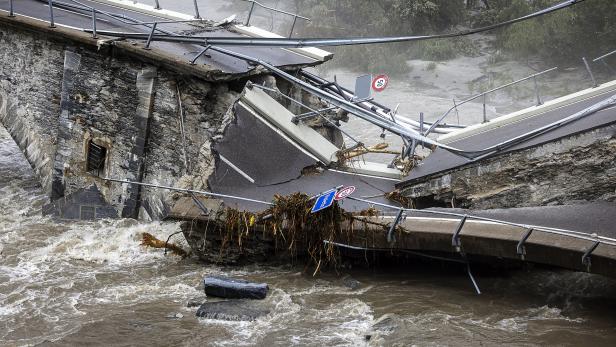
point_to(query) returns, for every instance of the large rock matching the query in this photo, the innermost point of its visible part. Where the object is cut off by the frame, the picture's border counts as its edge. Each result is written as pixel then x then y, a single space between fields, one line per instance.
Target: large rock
pixel 384 325
pixel 225 287
pixel 236 310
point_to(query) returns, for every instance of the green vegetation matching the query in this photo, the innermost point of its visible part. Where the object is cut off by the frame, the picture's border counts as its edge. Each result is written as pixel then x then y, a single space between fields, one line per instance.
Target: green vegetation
pixel 561 37
pixel 363 18
pixel 586 29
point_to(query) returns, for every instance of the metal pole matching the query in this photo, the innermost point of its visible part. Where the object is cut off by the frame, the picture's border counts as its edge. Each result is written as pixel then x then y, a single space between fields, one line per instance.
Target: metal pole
pixel 485 116
pixel 147 44
pixel 421 122
pixel 157 5
pixel 11 14
pixel 51 21
pixel 181 108
pixel 455 106
pixel 197 16
pixel 250 13
pixel 594 81
pixel 93 23
pixel 201 192
pixel 537 92
pixel 293 26
pixel 192 62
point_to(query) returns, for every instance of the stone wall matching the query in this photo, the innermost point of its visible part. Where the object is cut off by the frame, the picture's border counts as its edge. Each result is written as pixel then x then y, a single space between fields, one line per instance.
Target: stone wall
pixel 56 96
pixel 576 168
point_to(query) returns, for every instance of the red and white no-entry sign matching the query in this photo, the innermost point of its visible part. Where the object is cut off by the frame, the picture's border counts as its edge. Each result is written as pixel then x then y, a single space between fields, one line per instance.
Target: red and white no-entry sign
pixel 344 192
pixel 380 82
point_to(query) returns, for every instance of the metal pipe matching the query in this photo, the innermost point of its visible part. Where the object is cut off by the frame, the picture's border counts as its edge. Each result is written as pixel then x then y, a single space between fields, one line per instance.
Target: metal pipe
pixel 421 123
pixel 11 13
pixel 586 257
pixel 93 23
pixel 592 77
pixel 391 236
pixel 147 44
pixel 470 274
pixel 485 116
pixel 455 239
pixel 274 9
pixel 455 106
pixel 520 248
pixel 539 103
pixel 169 21
pixel 604 56
pixel 293 26
pixel 187 190
pixel 252 7
pixel 197 16
pixel 181 107
pixel 192 62
pixel 51 20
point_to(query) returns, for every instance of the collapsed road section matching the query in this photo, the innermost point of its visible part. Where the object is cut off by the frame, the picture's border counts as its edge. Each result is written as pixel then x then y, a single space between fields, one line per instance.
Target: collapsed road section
pixel 139 130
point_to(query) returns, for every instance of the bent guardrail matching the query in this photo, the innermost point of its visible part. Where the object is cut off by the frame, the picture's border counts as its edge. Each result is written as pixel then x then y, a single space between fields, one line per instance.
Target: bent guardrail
pixel 520 250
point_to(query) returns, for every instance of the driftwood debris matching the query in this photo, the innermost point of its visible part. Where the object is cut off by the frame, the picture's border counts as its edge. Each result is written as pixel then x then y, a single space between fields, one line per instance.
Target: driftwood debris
pixel 150 240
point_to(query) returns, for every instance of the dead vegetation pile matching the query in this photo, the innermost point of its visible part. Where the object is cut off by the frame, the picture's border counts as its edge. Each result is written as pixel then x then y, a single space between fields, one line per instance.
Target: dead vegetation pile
pixel 294 229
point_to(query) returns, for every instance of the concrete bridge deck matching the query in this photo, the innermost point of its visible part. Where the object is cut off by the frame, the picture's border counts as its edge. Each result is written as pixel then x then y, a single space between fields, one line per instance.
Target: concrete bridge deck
pixel 510 126
pixel 39 10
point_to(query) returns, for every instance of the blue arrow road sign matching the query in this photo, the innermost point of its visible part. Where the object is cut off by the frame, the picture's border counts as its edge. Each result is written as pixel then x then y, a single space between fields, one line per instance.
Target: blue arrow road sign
pixel 324 201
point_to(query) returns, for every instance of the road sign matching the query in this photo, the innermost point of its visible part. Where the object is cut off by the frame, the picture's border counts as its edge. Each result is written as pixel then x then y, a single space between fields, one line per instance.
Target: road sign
pixel 324 201
pixel 380 82
pixel 344 192
pixel 363 84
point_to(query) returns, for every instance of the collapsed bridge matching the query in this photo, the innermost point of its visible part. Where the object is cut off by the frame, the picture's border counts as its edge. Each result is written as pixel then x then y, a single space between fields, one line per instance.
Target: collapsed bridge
pixel 120 125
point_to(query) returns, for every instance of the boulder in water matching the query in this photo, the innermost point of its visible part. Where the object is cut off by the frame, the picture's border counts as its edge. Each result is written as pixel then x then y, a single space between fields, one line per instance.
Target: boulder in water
pixel 229 288
pixel 351 283
pixel 236 310
pixel 385 325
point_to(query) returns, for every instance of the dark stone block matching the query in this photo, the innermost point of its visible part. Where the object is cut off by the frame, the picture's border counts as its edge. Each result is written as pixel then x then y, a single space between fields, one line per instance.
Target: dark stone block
pixel 237 310
pixel 225 287
pixel 85 204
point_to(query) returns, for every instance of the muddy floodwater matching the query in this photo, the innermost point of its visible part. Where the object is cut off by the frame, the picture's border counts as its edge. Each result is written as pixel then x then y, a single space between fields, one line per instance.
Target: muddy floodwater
pixel 93 284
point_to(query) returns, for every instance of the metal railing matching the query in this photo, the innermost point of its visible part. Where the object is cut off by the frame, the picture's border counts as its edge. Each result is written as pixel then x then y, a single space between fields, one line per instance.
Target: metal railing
pixel 121 18
pixel 485 93
pixel 455 240
pixel 520 248
pixel 294 15
pixel 602 59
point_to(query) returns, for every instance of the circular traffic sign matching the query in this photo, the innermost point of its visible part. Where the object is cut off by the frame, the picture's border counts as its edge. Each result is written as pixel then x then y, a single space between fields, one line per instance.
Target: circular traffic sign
pixel 380 82
pixel 344 192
